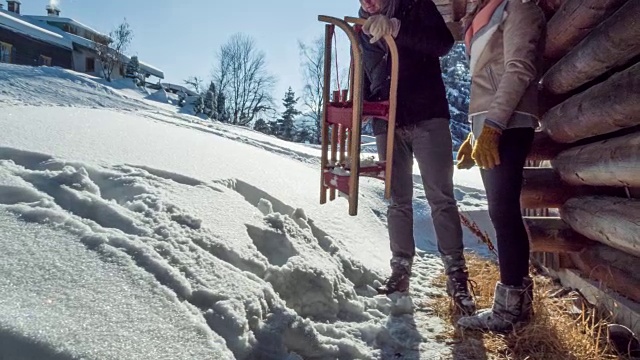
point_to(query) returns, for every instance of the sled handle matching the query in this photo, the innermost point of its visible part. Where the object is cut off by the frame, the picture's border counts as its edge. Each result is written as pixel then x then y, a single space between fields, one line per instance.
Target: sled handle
pixel 393 100
pixel 355 20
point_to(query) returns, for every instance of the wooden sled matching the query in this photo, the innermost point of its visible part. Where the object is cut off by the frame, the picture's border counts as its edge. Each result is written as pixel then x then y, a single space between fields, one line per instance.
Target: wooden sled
pixel 342 117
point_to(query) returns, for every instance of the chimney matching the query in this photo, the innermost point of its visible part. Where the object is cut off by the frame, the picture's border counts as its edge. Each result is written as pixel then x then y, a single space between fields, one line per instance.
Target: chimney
pixel 53 10
pixel 13 6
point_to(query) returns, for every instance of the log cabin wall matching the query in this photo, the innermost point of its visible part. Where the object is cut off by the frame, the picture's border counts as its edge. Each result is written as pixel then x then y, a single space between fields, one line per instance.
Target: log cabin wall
pixel 585 164
pixel 581 194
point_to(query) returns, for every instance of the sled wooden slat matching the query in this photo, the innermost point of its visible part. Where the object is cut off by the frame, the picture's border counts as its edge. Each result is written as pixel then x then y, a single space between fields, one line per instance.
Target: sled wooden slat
pixel 344 113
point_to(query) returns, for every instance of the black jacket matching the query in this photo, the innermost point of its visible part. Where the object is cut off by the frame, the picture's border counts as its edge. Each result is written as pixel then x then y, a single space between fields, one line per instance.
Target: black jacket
pixel 423 38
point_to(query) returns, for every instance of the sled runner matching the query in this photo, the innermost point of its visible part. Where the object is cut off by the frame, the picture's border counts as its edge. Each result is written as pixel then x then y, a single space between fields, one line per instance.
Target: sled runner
pixel 342 116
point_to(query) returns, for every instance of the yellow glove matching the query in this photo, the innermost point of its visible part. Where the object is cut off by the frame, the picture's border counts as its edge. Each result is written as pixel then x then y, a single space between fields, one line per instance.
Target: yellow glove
pixel 464 154
pixel 485 152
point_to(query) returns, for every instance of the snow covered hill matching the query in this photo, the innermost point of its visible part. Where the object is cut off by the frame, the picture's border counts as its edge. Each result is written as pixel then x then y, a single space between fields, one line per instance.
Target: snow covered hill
pixel 129 231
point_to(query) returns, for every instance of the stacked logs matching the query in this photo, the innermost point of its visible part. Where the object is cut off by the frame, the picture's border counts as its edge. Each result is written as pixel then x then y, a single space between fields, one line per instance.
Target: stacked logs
pixel 591 139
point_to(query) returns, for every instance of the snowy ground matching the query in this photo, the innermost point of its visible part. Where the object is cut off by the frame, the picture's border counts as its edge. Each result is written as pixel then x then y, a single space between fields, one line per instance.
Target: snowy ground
pixel 130 231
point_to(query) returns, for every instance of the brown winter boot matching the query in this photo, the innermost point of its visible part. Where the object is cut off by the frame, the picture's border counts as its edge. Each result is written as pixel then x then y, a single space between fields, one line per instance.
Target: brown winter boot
pixel 458 290
pixel 527 301
pixel 400 275
pixel 506 312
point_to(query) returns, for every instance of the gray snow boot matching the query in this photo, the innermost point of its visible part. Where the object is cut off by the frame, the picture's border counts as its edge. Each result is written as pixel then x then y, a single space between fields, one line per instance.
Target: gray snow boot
pixel 400 275
pixel 506 312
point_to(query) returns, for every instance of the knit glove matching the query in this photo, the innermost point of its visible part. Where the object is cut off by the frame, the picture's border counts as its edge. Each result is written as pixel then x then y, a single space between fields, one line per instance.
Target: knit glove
pixel 464 154
pixel 378 26
pixel 485 151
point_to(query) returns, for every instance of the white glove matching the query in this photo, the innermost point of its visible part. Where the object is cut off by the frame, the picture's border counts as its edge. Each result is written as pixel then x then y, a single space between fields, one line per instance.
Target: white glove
pixel 378 26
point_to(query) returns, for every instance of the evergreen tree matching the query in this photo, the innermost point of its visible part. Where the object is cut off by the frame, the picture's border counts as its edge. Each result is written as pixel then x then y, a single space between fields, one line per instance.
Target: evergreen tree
pixel 288 116
pixel 198 105
pixel 457 80
pixel 274 127
pixel 221 112
pixel 262 126
pixel 133 68
pixel 210 102
pixel 304 135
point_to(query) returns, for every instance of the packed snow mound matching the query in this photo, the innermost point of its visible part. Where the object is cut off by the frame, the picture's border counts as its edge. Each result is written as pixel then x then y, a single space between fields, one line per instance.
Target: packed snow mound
pixel 159 96
pixel 53 86
pixel 268 294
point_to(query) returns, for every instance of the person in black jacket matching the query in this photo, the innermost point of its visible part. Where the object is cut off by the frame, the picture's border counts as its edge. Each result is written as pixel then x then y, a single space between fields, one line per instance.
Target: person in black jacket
pixel 422 129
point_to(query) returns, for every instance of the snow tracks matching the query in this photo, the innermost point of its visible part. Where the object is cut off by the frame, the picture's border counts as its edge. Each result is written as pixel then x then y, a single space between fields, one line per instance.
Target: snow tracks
pixel 259 273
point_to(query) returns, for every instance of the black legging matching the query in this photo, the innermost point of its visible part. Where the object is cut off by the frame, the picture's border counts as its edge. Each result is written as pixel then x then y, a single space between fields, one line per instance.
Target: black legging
pixel 503 185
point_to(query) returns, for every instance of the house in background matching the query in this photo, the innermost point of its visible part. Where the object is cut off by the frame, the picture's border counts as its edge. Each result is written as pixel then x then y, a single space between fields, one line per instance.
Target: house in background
pixel 52 40
pixel 25 44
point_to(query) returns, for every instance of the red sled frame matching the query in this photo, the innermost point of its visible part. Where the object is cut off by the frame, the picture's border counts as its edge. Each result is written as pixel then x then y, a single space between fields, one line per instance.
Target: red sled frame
pixel 343 115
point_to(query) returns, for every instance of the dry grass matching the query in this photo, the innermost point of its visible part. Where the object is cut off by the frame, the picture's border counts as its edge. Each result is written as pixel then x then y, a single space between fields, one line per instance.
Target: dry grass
pixel 553 333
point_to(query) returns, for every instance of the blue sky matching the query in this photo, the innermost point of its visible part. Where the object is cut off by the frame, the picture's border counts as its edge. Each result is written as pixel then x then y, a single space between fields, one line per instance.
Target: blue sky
pixel 182 36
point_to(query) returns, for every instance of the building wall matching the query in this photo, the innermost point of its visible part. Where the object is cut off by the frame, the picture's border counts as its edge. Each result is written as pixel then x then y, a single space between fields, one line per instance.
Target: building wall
pixel 27 51
pixel 80 57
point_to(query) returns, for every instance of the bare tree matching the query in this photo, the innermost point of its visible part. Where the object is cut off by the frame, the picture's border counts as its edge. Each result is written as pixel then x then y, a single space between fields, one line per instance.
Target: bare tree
pixel 241 74
pixel 195 82
pixel 111 51
pixel 312 64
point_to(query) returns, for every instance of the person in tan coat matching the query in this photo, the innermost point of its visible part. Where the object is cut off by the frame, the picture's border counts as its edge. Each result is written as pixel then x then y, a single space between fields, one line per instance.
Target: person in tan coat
pixel 505 42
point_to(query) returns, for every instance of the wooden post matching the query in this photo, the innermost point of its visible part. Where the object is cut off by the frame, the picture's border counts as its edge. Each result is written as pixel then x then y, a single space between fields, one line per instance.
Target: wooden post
pixel 552 235
pixel 328 34
pixel 597 111
pixel 610 45
pixel 608 220
pixel 573 22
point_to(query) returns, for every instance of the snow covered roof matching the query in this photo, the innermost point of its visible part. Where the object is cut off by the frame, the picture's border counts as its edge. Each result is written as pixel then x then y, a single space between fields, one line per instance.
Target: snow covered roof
pixel 176 87
pixel 36 27
pixel 65 21
pixel 16 24
pixel 152 70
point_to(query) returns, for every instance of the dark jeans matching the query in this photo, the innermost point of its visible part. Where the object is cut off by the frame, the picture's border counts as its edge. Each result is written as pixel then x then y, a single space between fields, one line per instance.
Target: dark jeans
pixel 430 142
pixel 503 185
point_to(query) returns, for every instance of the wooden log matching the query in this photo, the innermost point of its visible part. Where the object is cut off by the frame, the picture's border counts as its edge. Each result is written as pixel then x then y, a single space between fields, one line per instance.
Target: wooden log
pixel 613 162
pixel 612 221
pixel 544 147
pixel 604 108
pixel 614 268
pixel 552 235
pixel 573 22
pixel 543 188
pixel 610 45
pixel 623 310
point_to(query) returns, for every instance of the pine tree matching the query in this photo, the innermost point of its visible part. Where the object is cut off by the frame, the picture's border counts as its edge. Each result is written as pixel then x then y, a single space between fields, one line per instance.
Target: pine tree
pixel 133 67
pixel 198 105
pixel 221 112
pixel 304 135
pixel 457 80
pixel 288 116
pixel 210 102
pixel 262 126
